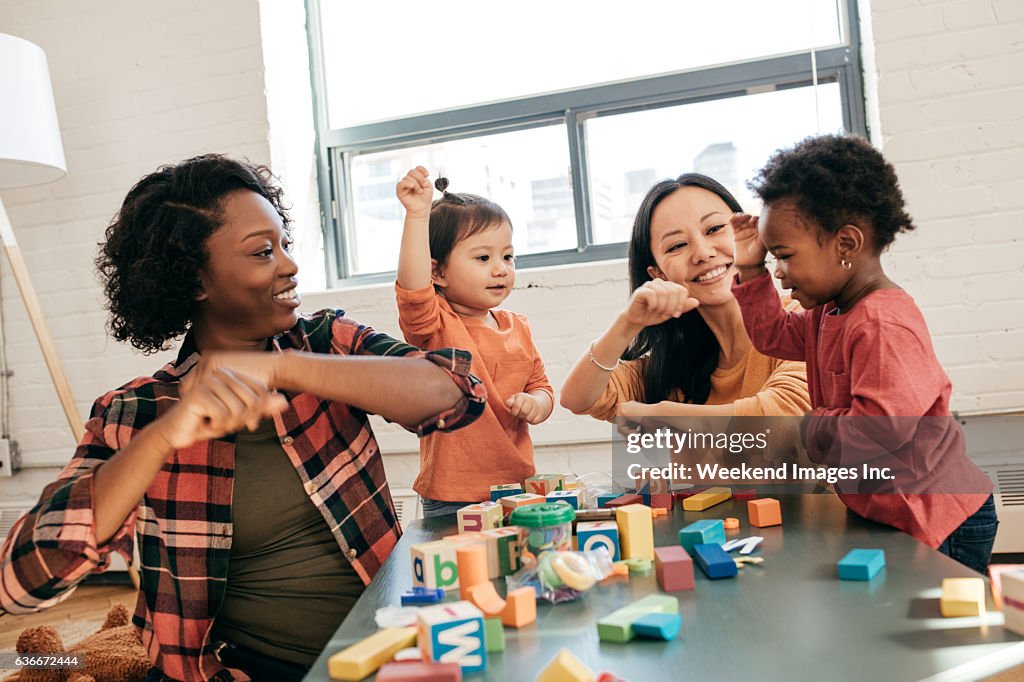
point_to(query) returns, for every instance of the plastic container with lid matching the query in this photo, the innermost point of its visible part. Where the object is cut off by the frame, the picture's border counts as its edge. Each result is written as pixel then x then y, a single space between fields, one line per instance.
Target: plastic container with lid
pixel 544 527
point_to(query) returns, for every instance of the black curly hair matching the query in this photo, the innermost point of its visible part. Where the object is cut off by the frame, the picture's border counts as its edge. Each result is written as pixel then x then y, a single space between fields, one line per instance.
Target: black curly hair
pixel 155 246
pixel 837 180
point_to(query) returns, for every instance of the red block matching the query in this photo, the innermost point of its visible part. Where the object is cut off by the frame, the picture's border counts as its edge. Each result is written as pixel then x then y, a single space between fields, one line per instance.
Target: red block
pixel 661 500
pixel 683 494
pixel 419 671
pixel 744 494
pixel 674 568
pixel 624 500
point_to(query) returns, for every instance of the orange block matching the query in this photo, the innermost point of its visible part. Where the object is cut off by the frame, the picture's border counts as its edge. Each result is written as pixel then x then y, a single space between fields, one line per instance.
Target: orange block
pixel 520 608
pixel 487 599
pixel 764 512
pixel 472 565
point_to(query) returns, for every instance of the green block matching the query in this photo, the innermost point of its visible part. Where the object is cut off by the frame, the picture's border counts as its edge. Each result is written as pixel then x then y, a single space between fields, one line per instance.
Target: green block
pixel 618 625
pixel 494 635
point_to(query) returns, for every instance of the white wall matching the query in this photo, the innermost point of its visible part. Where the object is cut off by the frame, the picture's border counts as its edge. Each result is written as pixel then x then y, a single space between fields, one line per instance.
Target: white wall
pixel 139 84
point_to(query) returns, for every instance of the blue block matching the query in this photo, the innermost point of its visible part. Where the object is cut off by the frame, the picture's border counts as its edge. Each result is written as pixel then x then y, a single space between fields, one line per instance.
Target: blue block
pixel 604 499
pixel 645 493
pixel 663 626
pixel 703 532
pixel 422 595
pixel 861 564
pixel 714 561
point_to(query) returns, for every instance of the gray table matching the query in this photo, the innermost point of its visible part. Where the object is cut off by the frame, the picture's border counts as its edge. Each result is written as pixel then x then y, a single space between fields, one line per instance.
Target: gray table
pixel 790 618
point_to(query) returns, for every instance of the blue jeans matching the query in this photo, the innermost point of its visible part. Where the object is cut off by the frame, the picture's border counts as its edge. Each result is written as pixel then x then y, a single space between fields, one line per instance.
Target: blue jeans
pixel 971 543
pixel 432 508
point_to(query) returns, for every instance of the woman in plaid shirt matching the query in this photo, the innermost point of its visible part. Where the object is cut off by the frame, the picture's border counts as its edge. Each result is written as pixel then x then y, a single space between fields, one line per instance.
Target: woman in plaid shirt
pixel 247 467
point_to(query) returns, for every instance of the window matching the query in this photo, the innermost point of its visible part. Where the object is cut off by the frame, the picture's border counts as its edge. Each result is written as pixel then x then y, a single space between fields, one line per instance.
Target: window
pixel 564 117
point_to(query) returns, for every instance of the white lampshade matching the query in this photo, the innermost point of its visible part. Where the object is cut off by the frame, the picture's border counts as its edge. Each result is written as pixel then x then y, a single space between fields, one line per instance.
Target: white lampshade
pixel 31 152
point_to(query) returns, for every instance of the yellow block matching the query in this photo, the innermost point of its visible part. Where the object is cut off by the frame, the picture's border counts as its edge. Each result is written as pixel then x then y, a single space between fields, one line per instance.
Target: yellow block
pixel 962 597
pixel 706 499
pixel 363 658
pixel 636 531
pixel 565 668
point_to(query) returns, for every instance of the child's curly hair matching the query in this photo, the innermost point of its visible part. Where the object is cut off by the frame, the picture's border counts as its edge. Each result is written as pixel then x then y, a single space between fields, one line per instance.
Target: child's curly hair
pixel 837 180
pixel 156 244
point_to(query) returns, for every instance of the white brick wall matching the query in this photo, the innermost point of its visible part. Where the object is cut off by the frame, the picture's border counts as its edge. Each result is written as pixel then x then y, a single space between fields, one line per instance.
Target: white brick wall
pixel 140 84
pixel 951 105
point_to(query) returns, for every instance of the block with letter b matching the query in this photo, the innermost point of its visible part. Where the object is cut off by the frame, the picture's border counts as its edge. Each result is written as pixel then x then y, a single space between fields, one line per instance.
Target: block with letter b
pixel 434 565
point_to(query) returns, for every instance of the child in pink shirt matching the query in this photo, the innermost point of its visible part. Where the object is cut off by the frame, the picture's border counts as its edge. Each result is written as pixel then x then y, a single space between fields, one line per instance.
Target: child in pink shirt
pixel 832 205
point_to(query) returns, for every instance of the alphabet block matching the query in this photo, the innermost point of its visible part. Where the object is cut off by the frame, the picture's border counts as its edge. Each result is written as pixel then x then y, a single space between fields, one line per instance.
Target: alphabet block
pixel 504 490
pixel 593 534
pixel 572 497
pixel 542 484
pixel 1013 601
pixel 434 565
pixel 481 516
pixel 453 633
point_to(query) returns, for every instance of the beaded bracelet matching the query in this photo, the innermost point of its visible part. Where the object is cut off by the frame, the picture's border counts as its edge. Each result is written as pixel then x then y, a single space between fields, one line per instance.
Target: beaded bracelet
pixel 594 360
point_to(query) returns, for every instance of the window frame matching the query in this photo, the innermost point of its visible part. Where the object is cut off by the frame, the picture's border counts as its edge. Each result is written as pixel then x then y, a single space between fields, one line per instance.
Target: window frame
pixel 335 147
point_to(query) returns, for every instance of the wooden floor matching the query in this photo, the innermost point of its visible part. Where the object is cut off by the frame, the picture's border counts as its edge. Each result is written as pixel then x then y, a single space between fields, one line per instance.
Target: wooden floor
pixel 76 616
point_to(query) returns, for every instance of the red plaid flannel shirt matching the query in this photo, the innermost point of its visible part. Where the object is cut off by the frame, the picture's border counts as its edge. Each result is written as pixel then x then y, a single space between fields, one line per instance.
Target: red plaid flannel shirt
pixel 184 521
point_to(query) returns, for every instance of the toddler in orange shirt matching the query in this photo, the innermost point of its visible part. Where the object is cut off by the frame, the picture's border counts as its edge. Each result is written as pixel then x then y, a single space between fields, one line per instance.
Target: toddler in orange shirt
pixel 455 267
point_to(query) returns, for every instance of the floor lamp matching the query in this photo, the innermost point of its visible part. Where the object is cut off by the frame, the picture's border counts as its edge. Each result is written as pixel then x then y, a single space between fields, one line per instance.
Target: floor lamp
pixel 30 154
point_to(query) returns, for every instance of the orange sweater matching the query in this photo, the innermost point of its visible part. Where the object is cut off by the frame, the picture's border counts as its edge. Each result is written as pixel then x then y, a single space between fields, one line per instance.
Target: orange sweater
pixel 496 448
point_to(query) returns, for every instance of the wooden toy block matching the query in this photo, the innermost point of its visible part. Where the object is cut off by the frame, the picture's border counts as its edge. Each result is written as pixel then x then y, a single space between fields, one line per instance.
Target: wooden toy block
pixel 520 607
pixel 963 597
pixel 494 635
pixel 703 532
pixel 542 484
pixel 661 500
pixel 707 499
pixel 593 534
pixel 673 568
pixel 420 671
pixel 570 482
pixel 521 500
pixel 636 531
pixel 419 596
pixel 595 515
pixel 453 633
pixel 609 677
pixel 504 490
pixel 434 565
pixel 713 560
pixel 861 564
pixel 658 512
pixel 365 657
pixel 618 625
pixel 623 500
pixel 486 598
pixel 995 574
pixel 471 560
pixel 604 498
pixel 504 543
pixel 764 512
pixel 663 626
pixel 1013 601
pixel 681 495
pixel 480 516
pixel 565 668
pixel 571 497
pixel 744 494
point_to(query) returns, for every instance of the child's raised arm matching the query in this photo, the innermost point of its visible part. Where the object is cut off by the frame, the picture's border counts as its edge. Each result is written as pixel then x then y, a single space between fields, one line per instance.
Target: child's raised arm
pixel 414 265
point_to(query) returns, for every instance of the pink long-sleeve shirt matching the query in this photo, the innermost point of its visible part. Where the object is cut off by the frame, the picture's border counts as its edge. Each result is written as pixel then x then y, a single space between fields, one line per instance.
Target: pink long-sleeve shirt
pixel 876 361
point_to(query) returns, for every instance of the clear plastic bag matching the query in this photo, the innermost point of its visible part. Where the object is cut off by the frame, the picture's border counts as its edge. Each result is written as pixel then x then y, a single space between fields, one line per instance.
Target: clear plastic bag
pixel 563 576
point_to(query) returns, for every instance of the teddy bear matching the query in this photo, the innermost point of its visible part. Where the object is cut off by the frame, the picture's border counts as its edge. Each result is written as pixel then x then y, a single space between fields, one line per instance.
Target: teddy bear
pixel 114 654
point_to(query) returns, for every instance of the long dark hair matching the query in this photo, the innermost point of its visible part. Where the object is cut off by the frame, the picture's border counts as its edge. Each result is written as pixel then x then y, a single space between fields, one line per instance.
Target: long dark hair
pixel 683 351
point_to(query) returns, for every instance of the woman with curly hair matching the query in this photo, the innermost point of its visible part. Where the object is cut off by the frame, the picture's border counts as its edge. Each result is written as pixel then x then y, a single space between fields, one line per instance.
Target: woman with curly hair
pixel 246 468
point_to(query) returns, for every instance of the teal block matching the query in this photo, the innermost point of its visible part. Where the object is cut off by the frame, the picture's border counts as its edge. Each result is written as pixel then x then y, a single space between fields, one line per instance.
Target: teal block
pixel 703 532
pixel 861 564
pixel 663 626
pixel 604 499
